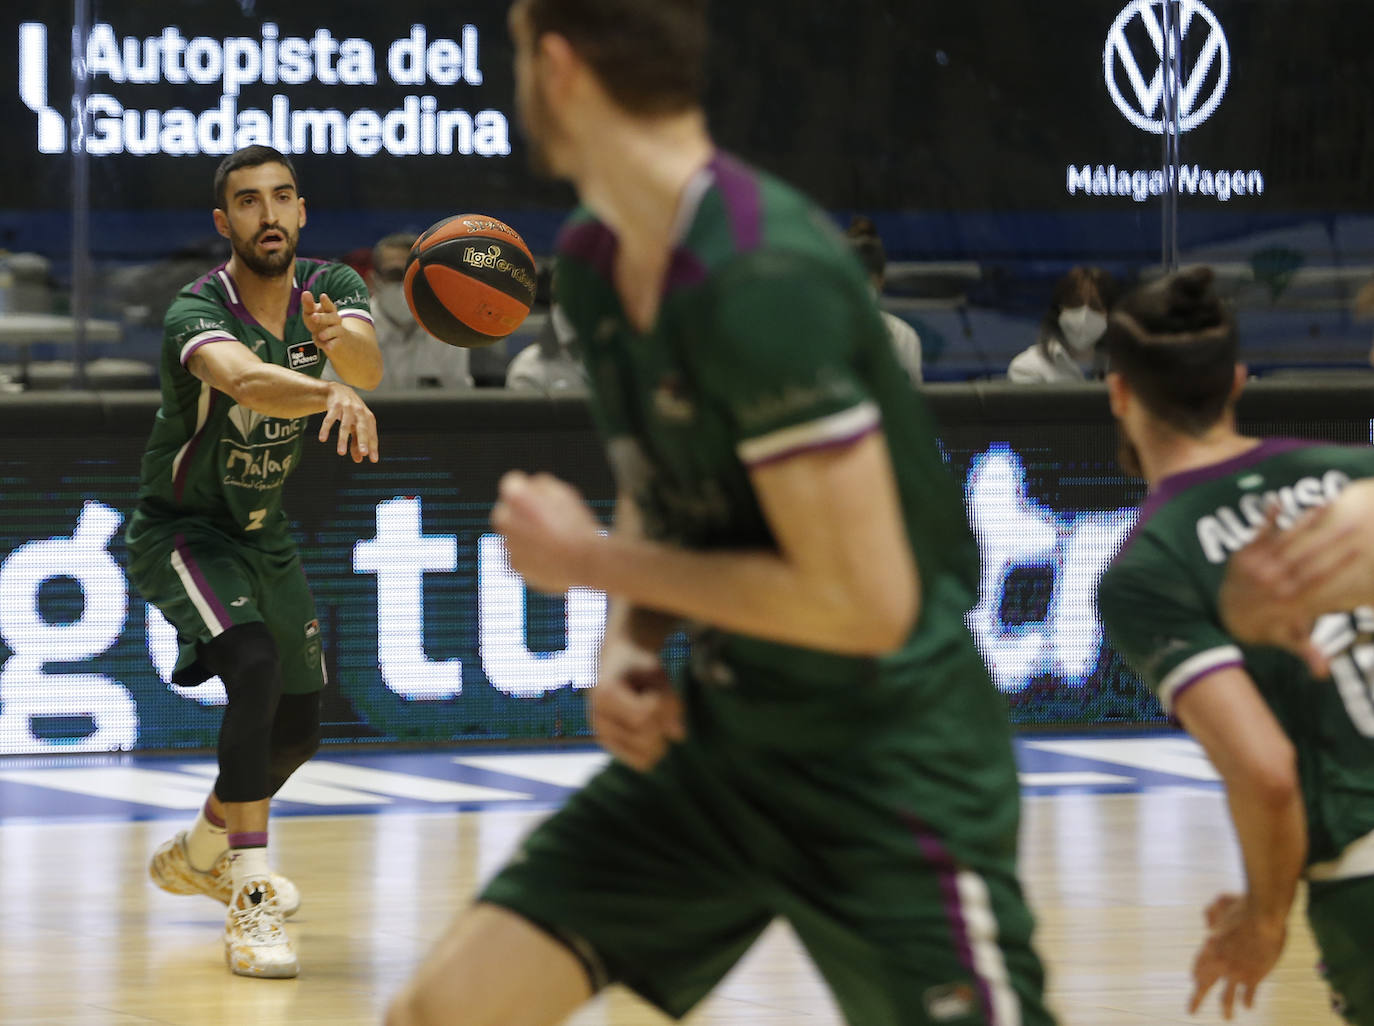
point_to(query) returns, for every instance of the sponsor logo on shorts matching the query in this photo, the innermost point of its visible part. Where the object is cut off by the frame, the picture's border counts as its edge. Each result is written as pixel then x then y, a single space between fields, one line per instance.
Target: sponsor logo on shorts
pixel 312 628
pixel 950 1001
pixel 242 600
pixel 302 354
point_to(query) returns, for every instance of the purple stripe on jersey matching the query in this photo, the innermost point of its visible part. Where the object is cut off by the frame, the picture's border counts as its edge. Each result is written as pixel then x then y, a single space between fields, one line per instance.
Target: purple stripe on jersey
pixel 816 446
pixel 1175 485
pixel 179 483
pixel 946 871
pixel 236 306
pixel 200 283
pixel 685 271
pixel 201 581
pixel 249 839
pixel 1180 688
pixel 295 305
pixel 362 315
pixel 739 188
pixel 592 243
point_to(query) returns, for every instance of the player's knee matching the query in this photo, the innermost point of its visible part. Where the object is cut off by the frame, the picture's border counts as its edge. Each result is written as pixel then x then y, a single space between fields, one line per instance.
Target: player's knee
pixel 245 658
pixel 295 735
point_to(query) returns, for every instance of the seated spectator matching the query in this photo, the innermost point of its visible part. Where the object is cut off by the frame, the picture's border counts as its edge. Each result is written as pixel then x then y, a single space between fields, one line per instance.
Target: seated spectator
pixel 1067 349
pixel 412 359
pixel 868 247
pixel 552 363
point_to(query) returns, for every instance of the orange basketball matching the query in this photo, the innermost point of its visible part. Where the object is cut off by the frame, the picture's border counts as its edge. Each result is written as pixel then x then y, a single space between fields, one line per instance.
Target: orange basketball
pixel 470 280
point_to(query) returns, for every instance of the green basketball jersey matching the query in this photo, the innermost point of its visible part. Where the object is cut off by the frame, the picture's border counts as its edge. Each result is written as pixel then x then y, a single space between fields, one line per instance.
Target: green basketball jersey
pixel 768 343
pixel 1159 605
pixel 207 456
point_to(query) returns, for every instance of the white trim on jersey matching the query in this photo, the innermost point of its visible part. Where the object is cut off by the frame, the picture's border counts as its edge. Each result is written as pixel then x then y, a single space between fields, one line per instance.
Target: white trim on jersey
pixel 1188 671
pixel 354 311
pixel 980 925
pixel 196 341
pixel 229 285
pixel 202 604
pixel 202 415
pixel 845 426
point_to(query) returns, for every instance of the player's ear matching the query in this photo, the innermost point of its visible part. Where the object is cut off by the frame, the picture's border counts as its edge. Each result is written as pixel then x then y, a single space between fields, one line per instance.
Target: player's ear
pixel 221 222
pixel 559 62
pixel 1238 385
pixel 1118 394
pixel 300 200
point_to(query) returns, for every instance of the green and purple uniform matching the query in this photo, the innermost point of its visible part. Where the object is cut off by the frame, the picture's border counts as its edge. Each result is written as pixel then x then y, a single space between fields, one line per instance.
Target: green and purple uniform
pixel 1159 605
pixel 208 543
pixel 872 802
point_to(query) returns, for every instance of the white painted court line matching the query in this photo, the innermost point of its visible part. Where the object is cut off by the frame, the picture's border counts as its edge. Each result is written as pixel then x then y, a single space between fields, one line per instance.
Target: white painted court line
pixel 561 769
pixel 1176 755
pixel 120 783
pixel 306 792
pixel 402 785
pixel 1072 779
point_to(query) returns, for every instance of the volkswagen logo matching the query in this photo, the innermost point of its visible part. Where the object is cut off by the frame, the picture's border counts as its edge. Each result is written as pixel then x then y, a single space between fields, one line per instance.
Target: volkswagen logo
pixel 1142 100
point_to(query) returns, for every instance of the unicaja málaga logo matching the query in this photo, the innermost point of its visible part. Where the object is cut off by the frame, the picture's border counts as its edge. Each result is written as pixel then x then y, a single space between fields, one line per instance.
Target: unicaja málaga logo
pixel 1140 61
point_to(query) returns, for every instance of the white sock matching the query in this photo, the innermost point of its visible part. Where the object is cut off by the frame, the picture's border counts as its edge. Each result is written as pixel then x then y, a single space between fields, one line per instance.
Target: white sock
pixel 205 842
pixel 247 865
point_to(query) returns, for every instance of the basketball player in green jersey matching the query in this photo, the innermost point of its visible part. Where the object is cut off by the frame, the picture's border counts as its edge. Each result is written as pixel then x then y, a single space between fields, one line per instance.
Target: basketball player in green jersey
pixel 1295 748
pixel 209 543
pixel 836 754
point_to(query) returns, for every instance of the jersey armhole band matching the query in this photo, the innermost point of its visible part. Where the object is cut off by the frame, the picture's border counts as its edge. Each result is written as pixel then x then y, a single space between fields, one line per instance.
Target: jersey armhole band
pixel 1193 669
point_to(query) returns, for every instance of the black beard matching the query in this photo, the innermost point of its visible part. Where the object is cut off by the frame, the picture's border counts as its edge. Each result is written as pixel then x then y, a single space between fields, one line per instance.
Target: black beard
pixel 269 265
pixel 1127 454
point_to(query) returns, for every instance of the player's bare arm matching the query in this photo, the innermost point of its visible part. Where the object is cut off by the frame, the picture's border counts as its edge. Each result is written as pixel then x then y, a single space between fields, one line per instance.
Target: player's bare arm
pixel 842 579
pixel 350 343
pixel 635 711
pixel 279 392
pixel 1258 763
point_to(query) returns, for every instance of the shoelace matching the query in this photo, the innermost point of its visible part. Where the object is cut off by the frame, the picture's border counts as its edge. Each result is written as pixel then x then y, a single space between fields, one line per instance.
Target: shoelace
pixel 260 923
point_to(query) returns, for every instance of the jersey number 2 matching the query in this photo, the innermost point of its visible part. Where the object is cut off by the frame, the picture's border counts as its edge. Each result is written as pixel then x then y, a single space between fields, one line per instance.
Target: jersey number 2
pixel 255 520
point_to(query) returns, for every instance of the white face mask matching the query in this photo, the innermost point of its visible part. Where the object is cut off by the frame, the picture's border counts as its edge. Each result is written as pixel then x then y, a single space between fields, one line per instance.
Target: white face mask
pixel 1082 326
pixel 391 301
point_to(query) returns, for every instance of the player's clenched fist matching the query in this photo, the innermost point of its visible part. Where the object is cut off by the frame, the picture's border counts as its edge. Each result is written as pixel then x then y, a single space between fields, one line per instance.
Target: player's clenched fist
pixel 550 532
pixel 635 711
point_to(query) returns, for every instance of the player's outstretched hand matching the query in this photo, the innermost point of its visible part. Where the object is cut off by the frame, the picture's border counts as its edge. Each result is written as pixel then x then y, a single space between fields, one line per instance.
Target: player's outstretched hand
pixel 550 532
pixel 357 425
pixel 636 712
pixel 322 319
pixel 1240 950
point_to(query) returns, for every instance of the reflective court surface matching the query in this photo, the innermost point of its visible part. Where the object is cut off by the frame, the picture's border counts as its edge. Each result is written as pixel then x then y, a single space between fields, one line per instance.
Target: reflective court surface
pixel 1125 840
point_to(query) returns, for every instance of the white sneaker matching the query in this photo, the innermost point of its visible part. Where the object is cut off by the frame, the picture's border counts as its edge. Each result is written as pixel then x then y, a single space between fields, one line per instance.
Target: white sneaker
pixel 171 869
pixel 255 942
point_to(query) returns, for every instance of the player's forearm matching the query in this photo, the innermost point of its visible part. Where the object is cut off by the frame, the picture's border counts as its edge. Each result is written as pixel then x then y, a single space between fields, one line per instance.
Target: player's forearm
pixel 1272 829
pixel 752 592
pixel 277 392
pixel 356 357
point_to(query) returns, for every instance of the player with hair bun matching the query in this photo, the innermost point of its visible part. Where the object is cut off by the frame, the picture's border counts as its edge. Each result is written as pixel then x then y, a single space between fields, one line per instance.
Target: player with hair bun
pixel 1200 602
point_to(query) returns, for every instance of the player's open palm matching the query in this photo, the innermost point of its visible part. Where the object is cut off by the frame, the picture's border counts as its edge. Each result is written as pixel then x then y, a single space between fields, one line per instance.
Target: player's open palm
pixel 636 712
pixel 1240 950
pixel 357 425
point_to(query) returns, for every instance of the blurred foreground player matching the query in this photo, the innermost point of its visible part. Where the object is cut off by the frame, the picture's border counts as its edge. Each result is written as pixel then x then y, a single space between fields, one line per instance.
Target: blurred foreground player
pixel 1292 737
pixel 209 543
pixel 836 754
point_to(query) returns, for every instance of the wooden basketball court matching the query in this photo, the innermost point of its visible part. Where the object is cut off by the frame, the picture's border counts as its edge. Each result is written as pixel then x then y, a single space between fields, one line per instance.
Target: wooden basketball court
pixel 1118 881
